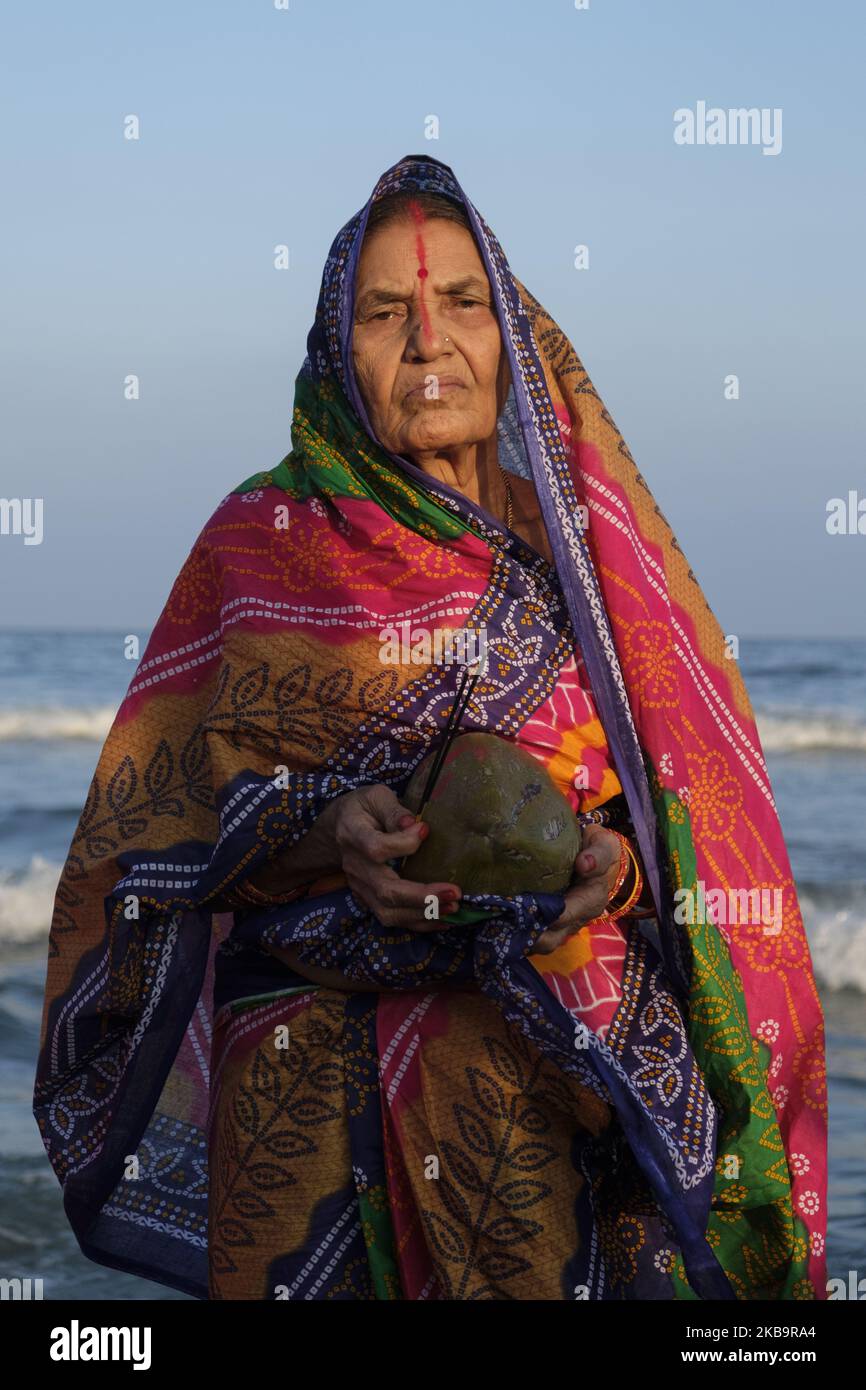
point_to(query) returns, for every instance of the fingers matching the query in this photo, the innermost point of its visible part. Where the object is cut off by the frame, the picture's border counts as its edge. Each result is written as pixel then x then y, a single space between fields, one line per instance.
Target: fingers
pixel 378 847
pixel 588 898
pixel 599 851
pixel 583 903
pixel 376 827
pixel 388 809
pixel 550 941
pixel 379 826
pixel 398 902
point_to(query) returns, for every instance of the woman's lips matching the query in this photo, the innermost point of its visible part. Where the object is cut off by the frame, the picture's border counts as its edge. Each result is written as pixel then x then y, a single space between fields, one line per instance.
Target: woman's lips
pixel 445 383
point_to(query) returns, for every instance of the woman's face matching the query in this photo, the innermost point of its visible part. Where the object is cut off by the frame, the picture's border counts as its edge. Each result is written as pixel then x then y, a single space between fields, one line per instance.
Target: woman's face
pixel 426 345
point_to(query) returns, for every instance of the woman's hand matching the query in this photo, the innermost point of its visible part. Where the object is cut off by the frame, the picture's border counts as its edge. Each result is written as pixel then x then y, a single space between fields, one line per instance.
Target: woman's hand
pixel 597 867
pixel 371 827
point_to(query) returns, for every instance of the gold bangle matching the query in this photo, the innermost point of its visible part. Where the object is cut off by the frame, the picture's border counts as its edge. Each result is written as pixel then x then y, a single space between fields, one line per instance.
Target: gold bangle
pixel 634 894
pixel 626 907
pixel 622 870
pixel 628 860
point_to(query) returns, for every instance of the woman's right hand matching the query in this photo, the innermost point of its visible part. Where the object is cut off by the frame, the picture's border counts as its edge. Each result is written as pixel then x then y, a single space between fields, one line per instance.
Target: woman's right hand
pixel 372 826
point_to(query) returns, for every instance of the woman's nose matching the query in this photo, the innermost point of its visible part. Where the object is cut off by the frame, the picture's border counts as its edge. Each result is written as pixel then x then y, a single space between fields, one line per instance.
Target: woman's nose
pixel 426 336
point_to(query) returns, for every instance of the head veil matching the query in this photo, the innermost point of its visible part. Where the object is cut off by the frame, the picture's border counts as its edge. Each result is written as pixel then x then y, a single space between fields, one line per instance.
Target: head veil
pixel 128 1004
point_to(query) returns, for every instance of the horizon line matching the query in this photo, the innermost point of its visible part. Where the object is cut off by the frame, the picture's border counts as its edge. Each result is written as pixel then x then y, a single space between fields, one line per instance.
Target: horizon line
pixel 145 627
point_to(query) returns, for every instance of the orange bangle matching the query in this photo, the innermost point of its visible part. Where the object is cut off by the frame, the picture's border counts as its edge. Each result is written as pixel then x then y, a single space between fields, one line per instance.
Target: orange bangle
pixel 622 870
pixel 627 860
pixel 637 887
pixel 629 902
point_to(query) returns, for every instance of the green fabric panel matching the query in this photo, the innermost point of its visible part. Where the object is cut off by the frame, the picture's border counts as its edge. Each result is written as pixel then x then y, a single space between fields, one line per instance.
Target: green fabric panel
pixel 760 1244
pixel 380 1243
pixel 333 457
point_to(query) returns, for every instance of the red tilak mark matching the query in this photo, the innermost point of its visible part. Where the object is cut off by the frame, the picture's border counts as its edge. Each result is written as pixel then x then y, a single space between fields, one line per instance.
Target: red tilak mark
pixel 421 252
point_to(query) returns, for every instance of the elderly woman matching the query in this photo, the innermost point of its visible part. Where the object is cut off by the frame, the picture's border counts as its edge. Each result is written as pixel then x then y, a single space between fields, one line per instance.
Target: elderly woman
pixel 276 1064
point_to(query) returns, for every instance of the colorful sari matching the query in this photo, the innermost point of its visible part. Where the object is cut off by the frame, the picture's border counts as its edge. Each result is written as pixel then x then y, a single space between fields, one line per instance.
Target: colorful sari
pixel 641 1116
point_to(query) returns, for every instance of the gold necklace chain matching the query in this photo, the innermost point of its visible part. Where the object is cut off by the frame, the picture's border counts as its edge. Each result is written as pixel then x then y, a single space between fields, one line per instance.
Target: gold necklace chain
pixel 509 501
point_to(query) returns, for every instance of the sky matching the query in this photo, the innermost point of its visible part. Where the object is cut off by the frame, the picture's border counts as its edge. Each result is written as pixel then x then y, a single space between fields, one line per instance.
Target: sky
pixel 261 126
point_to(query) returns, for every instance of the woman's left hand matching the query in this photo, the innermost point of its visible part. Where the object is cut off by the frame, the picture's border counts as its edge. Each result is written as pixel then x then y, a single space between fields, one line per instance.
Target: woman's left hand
pixel 596 869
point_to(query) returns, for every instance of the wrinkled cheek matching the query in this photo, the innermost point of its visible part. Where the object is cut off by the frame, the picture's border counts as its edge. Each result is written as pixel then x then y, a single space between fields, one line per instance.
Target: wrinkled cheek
pixel 367 378
pixel 376 384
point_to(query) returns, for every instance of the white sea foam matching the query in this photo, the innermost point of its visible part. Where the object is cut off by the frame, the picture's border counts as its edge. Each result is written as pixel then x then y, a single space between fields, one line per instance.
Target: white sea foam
pixel 90 722
pixel 27 901
pixel 837 940
pixel 836 930
pixel 787 733
pixel 780 733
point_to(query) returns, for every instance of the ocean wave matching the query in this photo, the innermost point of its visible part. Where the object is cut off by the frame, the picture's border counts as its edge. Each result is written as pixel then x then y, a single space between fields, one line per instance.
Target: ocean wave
pixel 90 722
pixel 794 731
pixel 803 731
pixel 27 901
pixel 835 921
pixel 836 927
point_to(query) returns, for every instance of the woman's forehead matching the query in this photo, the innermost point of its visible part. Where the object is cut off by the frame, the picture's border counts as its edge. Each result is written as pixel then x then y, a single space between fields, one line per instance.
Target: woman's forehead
pixel 403 247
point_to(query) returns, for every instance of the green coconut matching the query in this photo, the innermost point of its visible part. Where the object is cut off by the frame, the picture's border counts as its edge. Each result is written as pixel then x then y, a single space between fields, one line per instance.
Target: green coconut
pixel 498 823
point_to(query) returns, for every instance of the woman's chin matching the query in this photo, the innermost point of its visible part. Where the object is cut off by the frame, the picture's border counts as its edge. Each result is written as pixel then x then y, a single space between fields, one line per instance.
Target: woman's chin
pixel 440 432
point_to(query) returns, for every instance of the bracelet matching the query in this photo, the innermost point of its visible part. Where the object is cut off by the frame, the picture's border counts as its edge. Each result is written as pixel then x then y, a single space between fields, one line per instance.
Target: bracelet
pixel 251 896
pixel 634 893
pixel 623 867
pixel 628 861
pixel 629 902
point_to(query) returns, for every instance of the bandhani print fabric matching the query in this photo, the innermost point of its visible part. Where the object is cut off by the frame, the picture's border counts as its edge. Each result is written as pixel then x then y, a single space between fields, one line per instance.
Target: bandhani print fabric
pixel 640 1114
